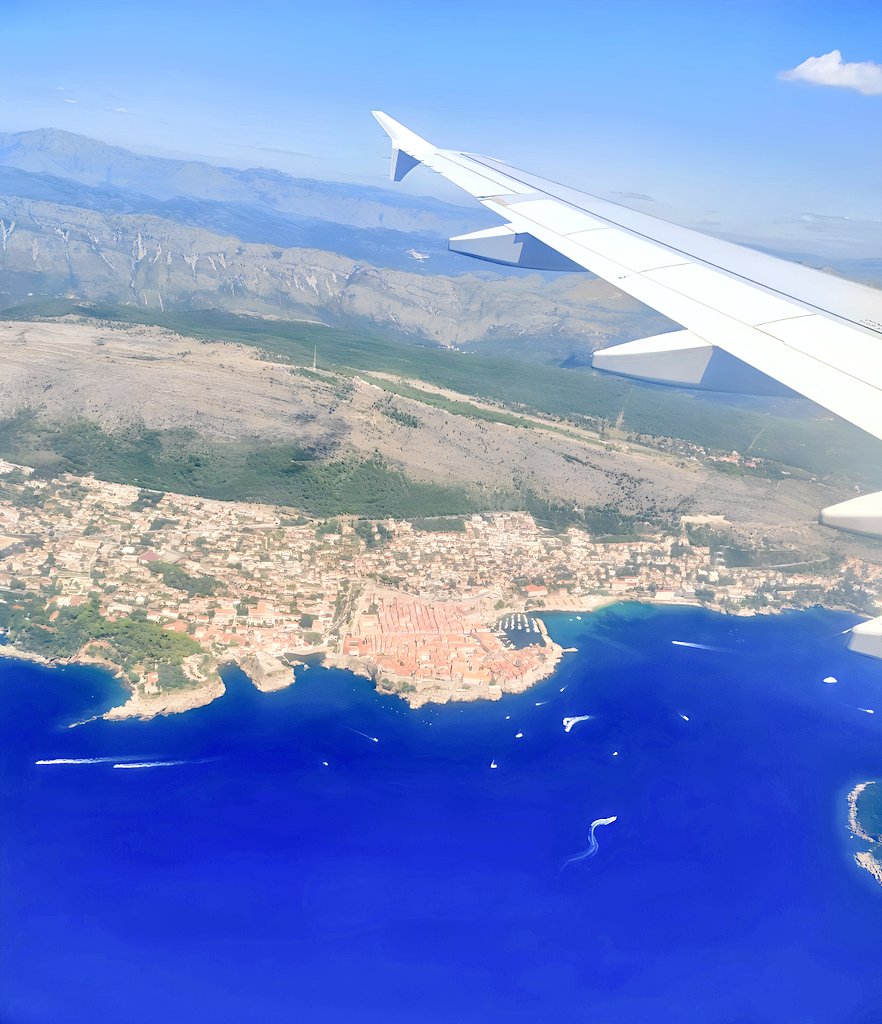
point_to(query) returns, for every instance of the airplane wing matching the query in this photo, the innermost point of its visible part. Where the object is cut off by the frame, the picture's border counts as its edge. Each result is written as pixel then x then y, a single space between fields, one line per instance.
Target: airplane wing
pixel 750 322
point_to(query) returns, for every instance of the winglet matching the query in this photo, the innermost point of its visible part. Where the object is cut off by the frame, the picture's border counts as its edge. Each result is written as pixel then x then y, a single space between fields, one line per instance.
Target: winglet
pixel 408 149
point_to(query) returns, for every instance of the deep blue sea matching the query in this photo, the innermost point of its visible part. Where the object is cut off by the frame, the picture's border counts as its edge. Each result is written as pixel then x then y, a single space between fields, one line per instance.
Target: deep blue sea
pixel 407 880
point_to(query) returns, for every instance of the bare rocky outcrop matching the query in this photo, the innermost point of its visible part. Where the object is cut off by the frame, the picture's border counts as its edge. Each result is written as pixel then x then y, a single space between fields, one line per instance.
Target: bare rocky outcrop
pixel 143 704
pixel 266 672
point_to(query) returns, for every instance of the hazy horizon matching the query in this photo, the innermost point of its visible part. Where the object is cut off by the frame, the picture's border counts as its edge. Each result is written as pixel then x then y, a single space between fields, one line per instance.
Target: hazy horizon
pixel 836 238
pixel 721 121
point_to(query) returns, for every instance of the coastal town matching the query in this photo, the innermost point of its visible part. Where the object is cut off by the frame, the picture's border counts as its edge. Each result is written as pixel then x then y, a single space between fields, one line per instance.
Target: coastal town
pixel 434 610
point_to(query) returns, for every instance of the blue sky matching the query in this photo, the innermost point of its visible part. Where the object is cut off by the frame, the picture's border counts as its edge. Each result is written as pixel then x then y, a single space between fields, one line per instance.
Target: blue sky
pixel 681 101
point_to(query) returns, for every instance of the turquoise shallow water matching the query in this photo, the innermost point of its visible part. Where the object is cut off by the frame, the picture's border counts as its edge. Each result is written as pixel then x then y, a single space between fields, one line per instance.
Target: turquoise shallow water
pixel 406 880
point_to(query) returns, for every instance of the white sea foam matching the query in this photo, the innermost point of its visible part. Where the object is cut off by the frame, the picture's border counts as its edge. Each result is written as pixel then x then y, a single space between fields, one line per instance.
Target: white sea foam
pixel 147 764
pixel 568 723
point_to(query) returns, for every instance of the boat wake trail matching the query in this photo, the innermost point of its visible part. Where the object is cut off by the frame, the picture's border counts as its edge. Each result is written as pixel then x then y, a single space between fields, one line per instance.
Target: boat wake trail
pixel 568 723
pixel 701 647
pixel 148 764
pixel 592 843
pixel 75 760
pixel 373 739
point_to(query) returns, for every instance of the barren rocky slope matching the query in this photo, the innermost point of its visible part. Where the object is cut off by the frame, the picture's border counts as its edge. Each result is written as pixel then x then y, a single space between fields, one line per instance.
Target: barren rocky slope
pixel 117 376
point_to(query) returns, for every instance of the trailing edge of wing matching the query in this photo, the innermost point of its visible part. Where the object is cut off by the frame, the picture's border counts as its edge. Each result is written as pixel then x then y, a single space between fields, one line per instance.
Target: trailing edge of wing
pixel 817 334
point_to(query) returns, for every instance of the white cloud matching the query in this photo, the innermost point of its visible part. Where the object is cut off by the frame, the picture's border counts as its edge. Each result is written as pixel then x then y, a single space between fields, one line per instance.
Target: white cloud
pixel 120 110
pixel 830 69
pixel 71 101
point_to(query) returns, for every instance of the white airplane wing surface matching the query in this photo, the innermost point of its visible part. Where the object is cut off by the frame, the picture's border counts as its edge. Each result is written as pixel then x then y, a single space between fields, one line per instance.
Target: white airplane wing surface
pixel 750 322
pixel 817 334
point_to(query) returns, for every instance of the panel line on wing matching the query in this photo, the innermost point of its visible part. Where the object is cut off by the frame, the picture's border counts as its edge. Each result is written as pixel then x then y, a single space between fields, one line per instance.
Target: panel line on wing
pixel 799 316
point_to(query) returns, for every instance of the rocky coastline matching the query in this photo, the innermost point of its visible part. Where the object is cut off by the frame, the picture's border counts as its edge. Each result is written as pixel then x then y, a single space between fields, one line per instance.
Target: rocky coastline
pixel 869 860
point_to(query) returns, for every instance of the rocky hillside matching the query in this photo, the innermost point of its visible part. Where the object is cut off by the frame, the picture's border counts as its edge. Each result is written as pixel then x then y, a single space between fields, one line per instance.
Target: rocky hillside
pixel 84 220
pixel 46 248
pixel 210 399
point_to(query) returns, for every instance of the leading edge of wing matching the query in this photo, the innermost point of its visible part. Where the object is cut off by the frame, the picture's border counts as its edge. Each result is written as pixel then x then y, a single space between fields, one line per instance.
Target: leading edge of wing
pixel 486 177
pixel 818 334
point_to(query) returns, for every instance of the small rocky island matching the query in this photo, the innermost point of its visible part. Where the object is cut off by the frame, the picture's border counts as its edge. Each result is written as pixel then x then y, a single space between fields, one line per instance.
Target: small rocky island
pixel 865 822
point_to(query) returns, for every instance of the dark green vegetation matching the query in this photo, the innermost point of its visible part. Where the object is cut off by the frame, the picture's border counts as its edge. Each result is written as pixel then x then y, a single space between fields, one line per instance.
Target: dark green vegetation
pixel 180 461
pixel 127 642
pixel 406 419
pixel 603 520
pixel 731 553
pixel 869 810
pixel 763 555
pixel 175 577
pixel 439 524
pixel 764 470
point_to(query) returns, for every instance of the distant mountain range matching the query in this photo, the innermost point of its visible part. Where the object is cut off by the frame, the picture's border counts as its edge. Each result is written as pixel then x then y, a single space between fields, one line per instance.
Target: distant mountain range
pixel 258 205
pixel 88 221
pixel 89 162
pixel 85 220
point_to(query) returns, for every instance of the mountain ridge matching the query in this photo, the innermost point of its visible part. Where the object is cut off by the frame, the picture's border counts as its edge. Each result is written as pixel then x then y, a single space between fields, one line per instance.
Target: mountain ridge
pixel 99 164
pixel 156 263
